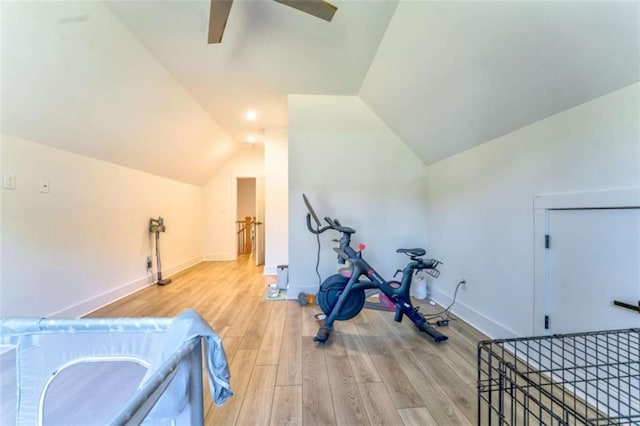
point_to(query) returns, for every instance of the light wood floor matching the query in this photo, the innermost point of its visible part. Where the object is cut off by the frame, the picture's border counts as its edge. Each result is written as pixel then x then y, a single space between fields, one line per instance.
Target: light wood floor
pixel 374 371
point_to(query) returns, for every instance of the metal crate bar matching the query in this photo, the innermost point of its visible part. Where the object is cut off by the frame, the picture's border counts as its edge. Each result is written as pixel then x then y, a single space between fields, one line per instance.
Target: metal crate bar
pixel 570 379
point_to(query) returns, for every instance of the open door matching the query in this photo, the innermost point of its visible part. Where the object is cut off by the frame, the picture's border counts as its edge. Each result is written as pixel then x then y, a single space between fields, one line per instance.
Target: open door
pixel 259 224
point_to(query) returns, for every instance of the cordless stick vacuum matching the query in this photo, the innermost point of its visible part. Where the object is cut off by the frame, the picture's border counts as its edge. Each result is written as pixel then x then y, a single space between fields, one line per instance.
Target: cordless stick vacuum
pixel 156 226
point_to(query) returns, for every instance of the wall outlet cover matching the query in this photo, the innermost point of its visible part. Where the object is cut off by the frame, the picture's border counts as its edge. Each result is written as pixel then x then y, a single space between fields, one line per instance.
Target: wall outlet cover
pixel 9 180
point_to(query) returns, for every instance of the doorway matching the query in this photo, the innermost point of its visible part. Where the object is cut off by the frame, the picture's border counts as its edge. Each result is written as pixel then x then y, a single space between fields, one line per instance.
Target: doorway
pixel 250 217
pixel 587 247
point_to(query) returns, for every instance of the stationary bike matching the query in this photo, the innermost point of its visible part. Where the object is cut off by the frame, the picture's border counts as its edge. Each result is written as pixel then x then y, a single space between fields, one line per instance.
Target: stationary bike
pixel 342 298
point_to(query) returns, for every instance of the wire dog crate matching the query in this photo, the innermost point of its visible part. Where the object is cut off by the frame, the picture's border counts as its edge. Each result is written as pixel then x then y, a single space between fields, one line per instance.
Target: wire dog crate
pixel 569 379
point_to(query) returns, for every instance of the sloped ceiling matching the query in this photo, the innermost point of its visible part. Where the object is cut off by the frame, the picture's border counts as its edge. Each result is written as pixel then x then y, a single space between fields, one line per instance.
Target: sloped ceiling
pixel 73 77
pixel 134 82
pixel 268 51
pixel 451 75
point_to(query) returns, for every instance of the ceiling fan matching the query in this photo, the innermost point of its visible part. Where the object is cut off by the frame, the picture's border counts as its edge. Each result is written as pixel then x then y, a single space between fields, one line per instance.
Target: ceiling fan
pixel 220 12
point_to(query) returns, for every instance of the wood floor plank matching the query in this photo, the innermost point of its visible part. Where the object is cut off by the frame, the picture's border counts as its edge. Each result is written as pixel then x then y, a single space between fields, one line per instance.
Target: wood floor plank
pixel 244 313
pixel 231 346
pixel 403 393
pixel 317 406
pixel 435 399
pixel 290 358
pixel 258 399
pixel 434 357
pixel 241 368
pixel 269 350
pixel 223 323
pixel 287 406
pixel 417 417
pixel 258 321
pixel 310 324
pixel 378 405
pixel 362 365
pixel 335 345
pixel 463 394
pixel 348 406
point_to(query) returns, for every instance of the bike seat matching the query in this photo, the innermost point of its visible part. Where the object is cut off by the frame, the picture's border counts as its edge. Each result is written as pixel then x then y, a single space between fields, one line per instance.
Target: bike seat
pixel 412 251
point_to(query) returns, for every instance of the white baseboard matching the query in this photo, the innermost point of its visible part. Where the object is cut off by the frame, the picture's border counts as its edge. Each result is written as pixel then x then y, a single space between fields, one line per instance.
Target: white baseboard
pixel 294 289
pixel 87 306
pixel 485 325
pixel 182 266
pixel 220 257
pixel 94 303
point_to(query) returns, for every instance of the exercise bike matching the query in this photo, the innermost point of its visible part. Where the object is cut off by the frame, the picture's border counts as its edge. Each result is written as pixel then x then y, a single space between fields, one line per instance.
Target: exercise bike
pixel 342 298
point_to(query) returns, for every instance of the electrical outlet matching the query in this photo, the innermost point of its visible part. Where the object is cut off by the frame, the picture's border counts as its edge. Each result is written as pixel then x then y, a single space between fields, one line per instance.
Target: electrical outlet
pixel 9 180
pixel 149 263
pixel 44 185
pixel 463 284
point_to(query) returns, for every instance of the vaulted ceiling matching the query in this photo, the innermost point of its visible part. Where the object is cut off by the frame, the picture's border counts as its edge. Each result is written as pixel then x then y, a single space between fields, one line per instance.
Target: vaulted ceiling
pixel 135 83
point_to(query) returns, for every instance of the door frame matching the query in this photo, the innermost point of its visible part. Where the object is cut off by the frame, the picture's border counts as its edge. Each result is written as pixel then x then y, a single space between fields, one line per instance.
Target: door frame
pixel 234 201
pixel 617 198
pixel 234 205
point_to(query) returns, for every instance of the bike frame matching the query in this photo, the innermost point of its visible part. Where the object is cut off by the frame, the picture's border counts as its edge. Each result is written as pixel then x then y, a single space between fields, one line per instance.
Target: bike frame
pixel 400 296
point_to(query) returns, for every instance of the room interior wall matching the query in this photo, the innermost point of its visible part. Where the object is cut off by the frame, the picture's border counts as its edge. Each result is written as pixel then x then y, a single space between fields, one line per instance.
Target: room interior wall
pixel 85 242
pixel 220 202
pixel 276 175
pixel 352 167
pixel 480 203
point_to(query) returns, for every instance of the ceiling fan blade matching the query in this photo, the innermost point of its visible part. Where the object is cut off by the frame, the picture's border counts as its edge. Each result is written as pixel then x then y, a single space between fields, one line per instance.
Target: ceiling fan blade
pixel 218 15
pixel 318 8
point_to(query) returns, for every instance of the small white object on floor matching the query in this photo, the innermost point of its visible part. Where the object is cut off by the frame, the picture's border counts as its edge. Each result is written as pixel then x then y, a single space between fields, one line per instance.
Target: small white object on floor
pixel 273 291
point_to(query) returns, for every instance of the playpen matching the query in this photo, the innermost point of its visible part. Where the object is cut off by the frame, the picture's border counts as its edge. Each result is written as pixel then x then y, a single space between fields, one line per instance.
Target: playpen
pixel 110 371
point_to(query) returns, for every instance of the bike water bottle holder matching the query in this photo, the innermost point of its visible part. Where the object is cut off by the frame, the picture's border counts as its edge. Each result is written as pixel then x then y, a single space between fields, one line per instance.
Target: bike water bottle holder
pixel 433 272
pixel 430 267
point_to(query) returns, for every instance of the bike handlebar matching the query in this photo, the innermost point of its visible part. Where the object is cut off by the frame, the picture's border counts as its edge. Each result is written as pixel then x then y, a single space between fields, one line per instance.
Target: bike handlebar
pixel 333 223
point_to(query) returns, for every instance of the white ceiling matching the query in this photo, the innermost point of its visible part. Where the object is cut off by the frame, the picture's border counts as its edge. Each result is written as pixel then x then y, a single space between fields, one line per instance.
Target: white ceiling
pixel 451 75
pixel 268 51
pixel 135 83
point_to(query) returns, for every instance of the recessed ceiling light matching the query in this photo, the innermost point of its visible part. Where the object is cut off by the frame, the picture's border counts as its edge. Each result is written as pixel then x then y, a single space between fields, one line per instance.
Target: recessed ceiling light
pixel 251 115
pixel 251 138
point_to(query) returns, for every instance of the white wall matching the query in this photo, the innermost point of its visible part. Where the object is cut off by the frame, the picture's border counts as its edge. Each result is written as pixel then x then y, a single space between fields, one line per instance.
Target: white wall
pixel 276 175
pixel 352 167
pixel 85 243
pixel 480 202
pixel 220 200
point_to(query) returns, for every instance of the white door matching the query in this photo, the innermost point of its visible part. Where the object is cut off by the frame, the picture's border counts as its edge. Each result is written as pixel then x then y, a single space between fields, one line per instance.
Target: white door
pixel 593 259
pixel 259 225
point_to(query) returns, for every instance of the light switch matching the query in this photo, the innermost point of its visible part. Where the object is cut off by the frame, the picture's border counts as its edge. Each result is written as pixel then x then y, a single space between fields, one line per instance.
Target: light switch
pixel 44 185
pixel 9 180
